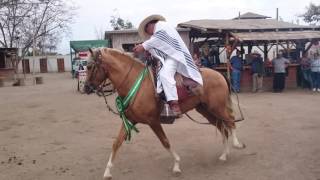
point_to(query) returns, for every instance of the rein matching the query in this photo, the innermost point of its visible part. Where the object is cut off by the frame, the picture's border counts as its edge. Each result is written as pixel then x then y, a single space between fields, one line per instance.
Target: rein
pixel 106 101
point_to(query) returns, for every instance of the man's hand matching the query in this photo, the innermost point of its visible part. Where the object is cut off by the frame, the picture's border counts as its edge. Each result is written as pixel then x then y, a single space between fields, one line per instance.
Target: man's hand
pixel 138 48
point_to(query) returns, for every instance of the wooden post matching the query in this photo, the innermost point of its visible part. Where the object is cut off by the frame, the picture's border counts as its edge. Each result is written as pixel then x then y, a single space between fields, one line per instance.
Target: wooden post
pixel 265 51
pixel 228 55
pixel 308 47
pixel 288 49
pixel 249 48
pixel 277 48
pixel 302 45
pixel 242 50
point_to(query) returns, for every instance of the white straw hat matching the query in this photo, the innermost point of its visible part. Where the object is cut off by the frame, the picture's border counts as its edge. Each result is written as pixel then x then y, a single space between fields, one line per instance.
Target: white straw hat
pixel 141 29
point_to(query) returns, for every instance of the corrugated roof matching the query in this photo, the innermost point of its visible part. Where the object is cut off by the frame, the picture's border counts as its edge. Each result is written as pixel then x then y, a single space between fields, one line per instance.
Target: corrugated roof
pixel 250 15
pixel 128 31
pixel 241 24
pixel 273 36
pixel 79 46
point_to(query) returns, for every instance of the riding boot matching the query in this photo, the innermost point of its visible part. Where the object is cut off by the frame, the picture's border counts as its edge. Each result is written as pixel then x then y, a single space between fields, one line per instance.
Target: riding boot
pixel 174 106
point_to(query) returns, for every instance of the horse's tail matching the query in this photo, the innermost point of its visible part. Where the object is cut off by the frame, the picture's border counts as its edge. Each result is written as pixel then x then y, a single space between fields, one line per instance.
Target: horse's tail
pixel 229 124
pixel 229 103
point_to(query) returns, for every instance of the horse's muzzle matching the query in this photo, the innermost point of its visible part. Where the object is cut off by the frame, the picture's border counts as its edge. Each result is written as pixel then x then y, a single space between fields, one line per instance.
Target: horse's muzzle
pixel 88 88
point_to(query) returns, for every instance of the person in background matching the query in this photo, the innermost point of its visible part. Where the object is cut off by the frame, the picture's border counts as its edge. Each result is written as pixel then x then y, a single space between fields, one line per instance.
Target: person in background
pixel 305 64
pixel 314 54
pixel 205 62
pixel 214 58
pixel 279 66
pixel 257 71
pixel 197 60
pixel 236 68
pixel 81 68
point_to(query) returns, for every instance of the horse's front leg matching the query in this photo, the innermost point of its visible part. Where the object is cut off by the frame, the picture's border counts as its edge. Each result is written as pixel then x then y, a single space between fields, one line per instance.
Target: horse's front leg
pixel 157 129
pixel 116 145
pixel 236 143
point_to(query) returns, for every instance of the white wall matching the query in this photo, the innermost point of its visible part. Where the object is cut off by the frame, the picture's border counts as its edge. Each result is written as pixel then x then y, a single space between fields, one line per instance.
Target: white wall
pixel 52 64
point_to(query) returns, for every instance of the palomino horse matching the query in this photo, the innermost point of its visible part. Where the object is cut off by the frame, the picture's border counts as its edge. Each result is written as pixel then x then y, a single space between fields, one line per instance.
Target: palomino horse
pixel 122 70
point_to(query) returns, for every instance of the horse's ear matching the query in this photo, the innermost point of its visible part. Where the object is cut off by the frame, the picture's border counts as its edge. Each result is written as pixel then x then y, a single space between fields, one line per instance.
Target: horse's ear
pixel 91 51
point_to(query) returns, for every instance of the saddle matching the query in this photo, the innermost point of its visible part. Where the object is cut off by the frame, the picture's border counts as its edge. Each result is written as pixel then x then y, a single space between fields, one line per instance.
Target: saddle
pixel 186 88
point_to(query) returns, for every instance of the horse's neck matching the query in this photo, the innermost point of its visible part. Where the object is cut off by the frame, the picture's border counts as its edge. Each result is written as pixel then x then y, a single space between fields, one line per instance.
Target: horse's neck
pixel 123 72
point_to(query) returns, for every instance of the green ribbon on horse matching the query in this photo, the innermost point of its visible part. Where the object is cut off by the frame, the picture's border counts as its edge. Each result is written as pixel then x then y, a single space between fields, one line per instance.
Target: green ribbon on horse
pixel 123 103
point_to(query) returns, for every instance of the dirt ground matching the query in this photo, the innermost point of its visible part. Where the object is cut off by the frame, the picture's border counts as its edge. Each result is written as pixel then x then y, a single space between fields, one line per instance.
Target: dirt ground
pixel 51 132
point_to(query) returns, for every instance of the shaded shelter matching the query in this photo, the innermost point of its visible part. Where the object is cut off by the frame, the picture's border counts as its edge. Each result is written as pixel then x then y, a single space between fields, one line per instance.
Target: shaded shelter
pixel 85 45
pixel 252 30
pixel 7 59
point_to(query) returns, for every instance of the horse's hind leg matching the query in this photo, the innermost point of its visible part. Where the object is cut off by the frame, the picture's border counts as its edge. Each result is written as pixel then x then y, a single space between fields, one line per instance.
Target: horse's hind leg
pixel 116 145
pixel 157 129
pixel 202 110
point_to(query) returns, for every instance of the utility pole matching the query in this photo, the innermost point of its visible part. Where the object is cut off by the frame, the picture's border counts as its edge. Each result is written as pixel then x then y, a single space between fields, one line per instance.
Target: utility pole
pixel 277 17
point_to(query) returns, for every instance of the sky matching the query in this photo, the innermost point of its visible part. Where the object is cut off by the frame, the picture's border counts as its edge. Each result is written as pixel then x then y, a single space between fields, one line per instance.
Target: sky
pixel 93 16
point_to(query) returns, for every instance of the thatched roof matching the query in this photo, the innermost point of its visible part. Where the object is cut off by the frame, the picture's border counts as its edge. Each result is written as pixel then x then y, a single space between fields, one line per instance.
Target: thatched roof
pixel 242 25
pixel 135 31
pixel 274 36
pixel 250 15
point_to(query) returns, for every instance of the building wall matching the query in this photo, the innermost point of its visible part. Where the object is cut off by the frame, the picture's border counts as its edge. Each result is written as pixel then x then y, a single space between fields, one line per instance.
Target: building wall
pixel 119 39
pixel 52 64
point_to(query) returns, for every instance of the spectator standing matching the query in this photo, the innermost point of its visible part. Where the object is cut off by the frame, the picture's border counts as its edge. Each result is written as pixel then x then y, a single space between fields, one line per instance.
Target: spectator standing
pixel 305 64
pixel 214 56
pixel 314 53
pixel 257 71
pixel 279 64
pixel 236 68
pixel 197 60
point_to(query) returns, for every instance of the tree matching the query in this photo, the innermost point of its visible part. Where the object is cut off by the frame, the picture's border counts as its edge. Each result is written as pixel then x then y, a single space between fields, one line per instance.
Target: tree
pixel 99 32
pixel 313 14
pixel 118 23
pixel 25 22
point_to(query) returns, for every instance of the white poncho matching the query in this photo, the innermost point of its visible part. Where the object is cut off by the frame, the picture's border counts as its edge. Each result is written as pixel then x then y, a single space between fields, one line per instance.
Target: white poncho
pixel 167 43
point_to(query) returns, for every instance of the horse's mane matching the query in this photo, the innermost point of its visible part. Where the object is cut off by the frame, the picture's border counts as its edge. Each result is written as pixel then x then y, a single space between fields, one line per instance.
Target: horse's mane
pixel 122 55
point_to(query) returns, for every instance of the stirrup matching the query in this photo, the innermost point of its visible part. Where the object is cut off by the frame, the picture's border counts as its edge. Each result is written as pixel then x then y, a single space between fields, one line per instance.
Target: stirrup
pixel 167 116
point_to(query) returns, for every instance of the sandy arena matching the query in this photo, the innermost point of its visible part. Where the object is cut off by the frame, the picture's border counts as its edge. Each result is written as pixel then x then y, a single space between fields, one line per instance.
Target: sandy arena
pixel 52 132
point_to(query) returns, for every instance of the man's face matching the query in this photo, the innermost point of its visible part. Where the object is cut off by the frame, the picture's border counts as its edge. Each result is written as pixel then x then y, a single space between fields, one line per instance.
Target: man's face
pixel 150 28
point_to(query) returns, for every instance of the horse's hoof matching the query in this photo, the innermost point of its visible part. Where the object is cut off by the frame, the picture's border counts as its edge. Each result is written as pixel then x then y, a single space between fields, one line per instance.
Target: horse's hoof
pixel 176 173
pixel 239 146
pixel 107 177
pixel 223 158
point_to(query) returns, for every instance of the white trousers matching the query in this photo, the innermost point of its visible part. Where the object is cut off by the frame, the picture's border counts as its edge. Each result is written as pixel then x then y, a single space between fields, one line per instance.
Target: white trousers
pixel 168 82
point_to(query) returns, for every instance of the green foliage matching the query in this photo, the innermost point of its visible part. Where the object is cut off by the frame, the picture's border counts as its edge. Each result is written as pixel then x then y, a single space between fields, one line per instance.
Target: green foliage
pixel 118 23
pixel 313 14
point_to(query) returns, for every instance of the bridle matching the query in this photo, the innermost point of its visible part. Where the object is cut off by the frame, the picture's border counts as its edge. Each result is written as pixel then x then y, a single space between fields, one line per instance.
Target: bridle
pixel 95 65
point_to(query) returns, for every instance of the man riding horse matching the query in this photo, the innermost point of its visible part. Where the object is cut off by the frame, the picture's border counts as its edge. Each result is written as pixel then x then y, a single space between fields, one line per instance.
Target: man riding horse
pixel 165 44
